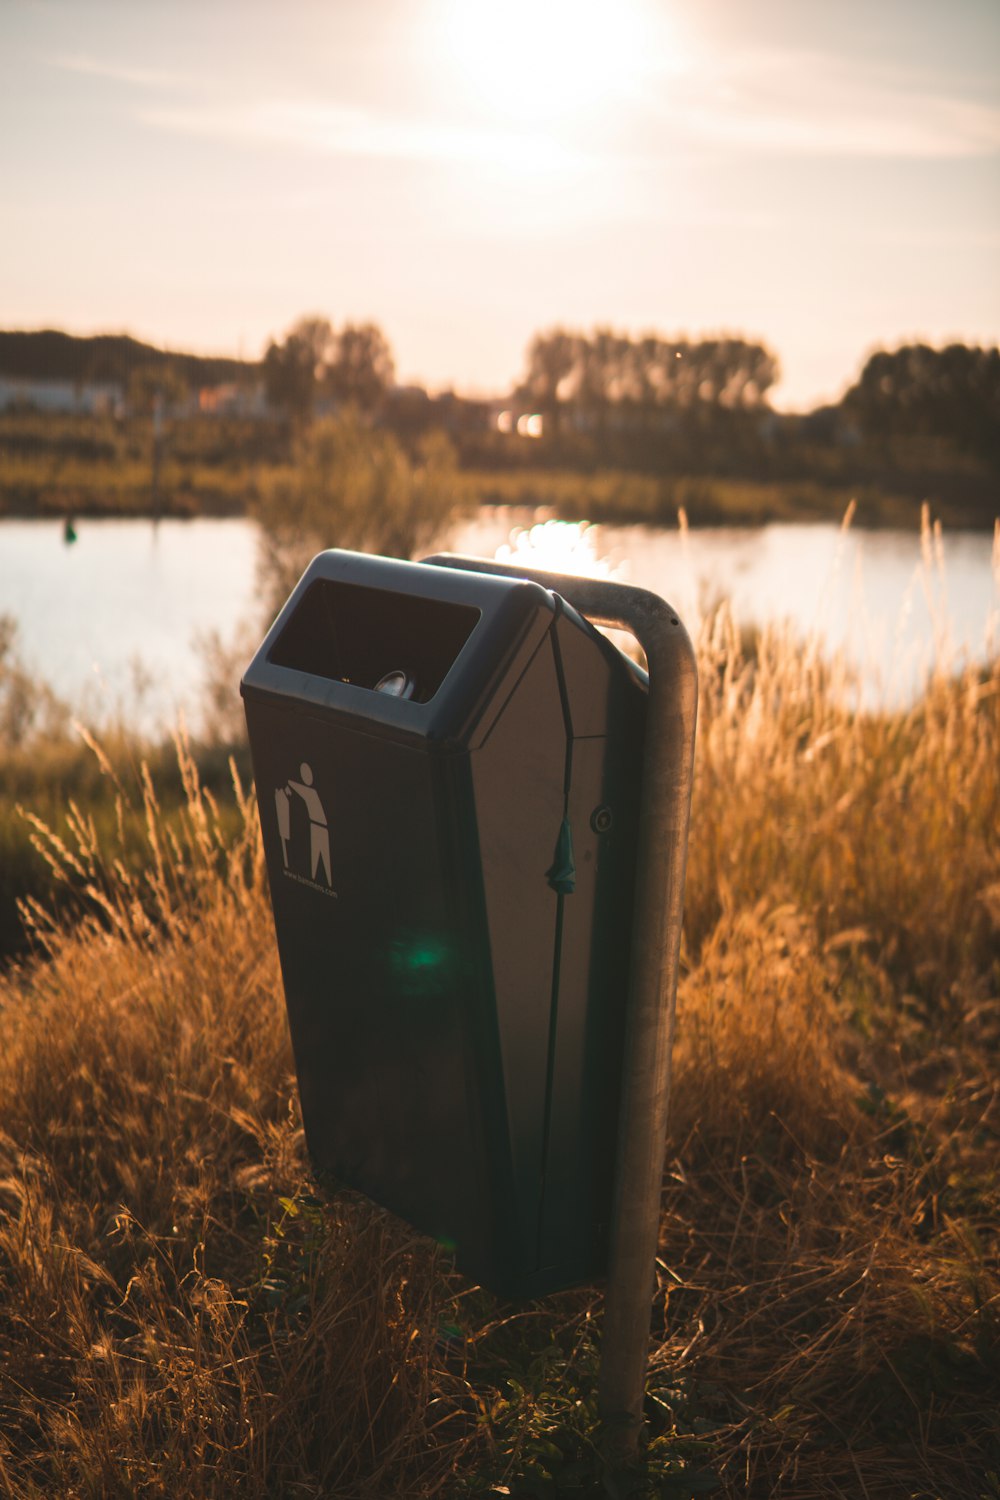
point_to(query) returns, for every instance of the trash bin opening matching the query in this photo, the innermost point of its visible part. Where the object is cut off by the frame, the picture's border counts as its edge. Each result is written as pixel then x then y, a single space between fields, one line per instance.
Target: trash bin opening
pixel 347 633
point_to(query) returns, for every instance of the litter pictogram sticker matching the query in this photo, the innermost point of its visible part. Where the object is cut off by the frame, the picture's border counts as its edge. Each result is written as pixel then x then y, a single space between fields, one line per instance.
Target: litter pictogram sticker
pixel 319 832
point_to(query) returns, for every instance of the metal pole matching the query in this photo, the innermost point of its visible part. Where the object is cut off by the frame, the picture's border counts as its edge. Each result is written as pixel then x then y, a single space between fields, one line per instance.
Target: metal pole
pixel 668 764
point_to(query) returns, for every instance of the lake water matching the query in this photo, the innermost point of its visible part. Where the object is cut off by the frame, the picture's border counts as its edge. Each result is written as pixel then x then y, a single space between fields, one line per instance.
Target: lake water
pixel 113 621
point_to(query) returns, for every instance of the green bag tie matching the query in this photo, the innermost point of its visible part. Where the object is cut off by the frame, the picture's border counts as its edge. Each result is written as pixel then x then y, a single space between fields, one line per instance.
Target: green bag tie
pixel 562 873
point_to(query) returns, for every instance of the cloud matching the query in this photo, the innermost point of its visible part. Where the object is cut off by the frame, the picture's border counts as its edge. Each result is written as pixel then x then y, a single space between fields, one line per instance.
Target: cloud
pixel 343 131
pixel 809 104
pixel 122 72
pixel 318 125
pixel 762 101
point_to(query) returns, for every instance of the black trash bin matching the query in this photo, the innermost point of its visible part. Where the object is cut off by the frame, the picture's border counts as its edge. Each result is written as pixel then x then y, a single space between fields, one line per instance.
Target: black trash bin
pixel 447 767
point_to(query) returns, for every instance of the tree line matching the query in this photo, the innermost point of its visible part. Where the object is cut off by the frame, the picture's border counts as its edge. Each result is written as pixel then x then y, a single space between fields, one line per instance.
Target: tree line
pixel 951 393
pixel 49 354
pixel 594 372
pixel 593 381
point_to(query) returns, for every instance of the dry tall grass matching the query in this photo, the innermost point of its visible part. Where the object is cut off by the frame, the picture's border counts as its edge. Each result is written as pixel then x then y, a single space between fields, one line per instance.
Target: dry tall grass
pixel 830 1237
pixel 180 1316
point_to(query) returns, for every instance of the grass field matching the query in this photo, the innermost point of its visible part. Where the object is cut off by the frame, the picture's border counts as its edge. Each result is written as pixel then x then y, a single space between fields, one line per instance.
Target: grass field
pixel 181 1314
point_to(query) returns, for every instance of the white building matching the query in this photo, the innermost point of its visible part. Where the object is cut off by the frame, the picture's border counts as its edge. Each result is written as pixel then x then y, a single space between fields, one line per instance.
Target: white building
pixel 77 398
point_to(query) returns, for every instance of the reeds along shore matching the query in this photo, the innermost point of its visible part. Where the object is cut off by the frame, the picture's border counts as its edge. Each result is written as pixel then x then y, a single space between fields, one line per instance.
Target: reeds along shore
pixel 180 1314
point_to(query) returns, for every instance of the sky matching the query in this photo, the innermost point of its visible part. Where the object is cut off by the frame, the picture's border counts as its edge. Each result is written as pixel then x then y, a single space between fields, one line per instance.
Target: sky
pixel 823 175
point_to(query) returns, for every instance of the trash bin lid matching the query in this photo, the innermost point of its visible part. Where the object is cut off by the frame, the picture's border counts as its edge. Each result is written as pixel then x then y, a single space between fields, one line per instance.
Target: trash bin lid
pixel 410 650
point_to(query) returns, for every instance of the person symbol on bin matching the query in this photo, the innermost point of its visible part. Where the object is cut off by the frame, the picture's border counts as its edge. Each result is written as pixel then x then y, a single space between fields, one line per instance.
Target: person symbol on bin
pixel 319 833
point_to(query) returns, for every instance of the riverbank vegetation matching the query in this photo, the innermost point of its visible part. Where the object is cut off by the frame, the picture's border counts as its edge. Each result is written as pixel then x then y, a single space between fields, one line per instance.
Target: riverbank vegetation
pixel 54 466
pixel 601 424
pixel 360 486
pixel 48 769
pixel 183 1313
pixel 58 465
pixel 617 497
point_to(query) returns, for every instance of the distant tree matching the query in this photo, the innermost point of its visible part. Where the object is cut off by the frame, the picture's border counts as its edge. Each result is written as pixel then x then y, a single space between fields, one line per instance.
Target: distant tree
pixel 720 372
pixel 762 370
pixel 353 366
pixel 314 336
pixel 654 372
pixel 360 369
pixel 951 393
pixel 293 370
pixel 553 372
pixel 602 364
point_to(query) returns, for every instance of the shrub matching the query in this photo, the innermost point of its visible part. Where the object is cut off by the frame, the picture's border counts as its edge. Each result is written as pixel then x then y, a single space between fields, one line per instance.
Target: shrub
pixel 352 485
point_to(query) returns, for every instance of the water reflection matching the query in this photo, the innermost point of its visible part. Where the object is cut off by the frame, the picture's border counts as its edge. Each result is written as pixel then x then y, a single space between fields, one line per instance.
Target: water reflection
pixel 558 547
pixel 112 622
pixel 893 604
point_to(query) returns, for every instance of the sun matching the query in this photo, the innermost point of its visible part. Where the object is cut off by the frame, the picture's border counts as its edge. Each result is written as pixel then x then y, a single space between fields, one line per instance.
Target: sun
pixel 536 62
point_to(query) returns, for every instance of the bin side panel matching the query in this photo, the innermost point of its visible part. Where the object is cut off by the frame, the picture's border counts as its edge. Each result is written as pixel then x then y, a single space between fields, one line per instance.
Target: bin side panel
pixel 382 953
pixel 603 694
pixel 593 987
pixel 519 778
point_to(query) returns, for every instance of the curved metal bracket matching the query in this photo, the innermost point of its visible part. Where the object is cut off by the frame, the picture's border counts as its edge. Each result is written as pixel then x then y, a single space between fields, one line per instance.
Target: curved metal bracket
pixel 661 860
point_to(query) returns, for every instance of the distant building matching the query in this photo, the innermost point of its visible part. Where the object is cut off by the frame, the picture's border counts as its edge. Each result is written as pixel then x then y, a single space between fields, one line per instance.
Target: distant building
pixel 231 400
pixel 87 398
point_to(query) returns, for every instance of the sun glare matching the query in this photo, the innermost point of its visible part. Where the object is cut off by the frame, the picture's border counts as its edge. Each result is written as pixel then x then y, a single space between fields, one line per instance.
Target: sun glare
pixel 559 547
pixel 532 62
